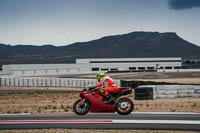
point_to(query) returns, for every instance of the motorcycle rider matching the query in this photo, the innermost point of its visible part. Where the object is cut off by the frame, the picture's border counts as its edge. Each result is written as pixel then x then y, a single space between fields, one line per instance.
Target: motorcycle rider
pixel 107 86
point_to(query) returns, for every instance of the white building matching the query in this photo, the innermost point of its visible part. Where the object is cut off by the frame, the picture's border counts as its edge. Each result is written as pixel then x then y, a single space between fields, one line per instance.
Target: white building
pixel 93 65
pixel 129 64
pixel 39 69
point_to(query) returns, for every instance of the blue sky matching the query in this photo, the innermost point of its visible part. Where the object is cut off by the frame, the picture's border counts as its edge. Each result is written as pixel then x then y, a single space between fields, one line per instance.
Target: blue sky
pixel 62 22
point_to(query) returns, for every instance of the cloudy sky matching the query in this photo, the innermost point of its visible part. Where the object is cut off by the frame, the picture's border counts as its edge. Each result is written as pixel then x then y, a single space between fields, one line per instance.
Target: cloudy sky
pixel 62 22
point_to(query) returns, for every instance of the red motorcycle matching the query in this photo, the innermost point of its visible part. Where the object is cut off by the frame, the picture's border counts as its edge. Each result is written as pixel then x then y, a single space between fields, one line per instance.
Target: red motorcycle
pixel 91 100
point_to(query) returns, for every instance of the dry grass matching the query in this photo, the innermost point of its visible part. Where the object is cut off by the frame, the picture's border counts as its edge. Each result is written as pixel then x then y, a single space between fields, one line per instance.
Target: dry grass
pixel 37 102
pixel 63 102
pixel 172 80
pixel 168 105
pixel 111 74
pixel 173 77
pixel 37 88
pixel 93 131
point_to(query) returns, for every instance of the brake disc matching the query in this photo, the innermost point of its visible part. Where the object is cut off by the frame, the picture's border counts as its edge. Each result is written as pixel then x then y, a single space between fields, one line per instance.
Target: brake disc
pixel 123 105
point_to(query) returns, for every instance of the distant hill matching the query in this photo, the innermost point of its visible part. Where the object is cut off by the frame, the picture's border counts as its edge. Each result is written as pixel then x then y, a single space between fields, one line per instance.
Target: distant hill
pixel 131 45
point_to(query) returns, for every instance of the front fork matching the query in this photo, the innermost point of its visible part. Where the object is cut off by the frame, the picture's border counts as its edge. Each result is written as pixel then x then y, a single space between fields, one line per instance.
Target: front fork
pixel 82 101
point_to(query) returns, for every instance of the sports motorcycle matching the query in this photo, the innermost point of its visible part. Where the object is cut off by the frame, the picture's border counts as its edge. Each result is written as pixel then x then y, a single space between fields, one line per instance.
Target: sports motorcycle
pixel 92 100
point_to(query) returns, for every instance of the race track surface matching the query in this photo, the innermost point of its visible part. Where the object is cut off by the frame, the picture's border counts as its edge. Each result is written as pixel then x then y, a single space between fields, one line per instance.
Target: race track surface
pixel 136 120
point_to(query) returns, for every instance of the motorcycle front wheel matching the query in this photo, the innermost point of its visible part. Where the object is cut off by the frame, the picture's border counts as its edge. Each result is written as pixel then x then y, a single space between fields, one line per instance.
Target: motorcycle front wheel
pixel 81 109
pixel 125 106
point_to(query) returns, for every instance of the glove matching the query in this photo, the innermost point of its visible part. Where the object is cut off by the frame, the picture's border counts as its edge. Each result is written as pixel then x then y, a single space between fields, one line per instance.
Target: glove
pixel 90 87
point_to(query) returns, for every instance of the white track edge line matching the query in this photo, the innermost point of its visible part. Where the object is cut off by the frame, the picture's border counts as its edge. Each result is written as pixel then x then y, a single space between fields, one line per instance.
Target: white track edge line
pixel 186 122
pixel 170 113
pixel 158 121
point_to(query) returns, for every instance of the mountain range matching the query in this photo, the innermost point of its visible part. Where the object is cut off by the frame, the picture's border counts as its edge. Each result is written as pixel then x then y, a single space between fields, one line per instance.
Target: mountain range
pixel 131 45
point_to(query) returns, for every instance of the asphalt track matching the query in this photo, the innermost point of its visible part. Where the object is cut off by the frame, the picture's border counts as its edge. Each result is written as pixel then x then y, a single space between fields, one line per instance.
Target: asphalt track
pixel 158 121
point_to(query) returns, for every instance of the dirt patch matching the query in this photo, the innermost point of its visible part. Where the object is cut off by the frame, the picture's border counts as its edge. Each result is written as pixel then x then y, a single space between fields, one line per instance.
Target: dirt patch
pixel 63 102
pixel 93 131
pixel 168 105
pixel 176 80
pixel 37 102
pixel 170 77
pixel 159 75
pixel 37 88
pixel 145 75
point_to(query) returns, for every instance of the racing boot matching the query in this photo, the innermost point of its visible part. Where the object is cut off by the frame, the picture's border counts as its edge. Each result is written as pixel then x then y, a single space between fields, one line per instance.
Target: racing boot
pixel 109 99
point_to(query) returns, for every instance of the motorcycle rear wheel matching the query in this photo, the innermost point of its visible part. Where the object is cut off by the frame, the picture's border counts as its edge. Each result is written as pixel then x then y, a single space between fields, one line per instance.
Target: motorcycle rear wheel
pixel 125 106
pixel 81 109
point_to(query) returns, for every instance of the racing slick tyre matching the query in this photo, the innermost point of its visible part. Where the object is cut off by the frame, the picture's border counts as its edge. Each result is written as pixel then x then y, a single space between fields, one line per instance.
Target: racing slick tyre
pixel 125 106
pixel 81 109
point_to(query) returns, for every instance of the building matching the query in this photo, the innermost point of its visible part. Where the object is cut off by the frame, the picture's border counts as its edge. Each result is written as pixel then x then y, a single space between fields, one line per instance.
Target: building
pixel 39 69
pixel 193 63
pixel 94 65
pixel 129 64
